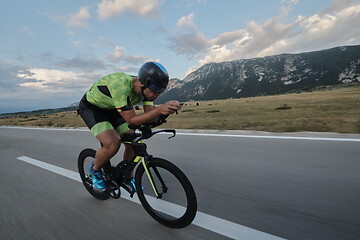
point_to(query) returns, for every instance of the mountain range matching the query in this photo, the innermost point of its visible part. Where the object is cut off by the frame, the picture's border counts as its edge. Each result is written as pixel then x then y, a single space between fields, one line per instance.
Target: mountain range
pixel 267 75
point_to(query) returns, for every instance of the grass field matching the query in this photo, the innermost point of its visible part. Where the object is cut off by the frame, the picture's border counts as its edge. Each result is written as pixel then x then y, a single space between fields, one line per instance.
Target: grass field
pixel 327 109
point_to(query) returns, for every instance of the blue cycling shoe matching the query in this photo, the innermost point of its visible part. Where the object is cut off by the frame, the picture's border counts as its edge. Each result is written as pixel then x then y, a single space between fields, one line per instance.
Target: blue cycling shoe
pixel 131 182
pixel 97 179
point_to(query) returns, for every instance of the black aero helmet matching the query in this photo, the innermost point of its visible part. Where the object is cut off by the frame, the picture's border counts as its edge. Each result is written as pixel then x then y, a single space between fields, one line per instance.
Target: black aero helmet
pixel 154 76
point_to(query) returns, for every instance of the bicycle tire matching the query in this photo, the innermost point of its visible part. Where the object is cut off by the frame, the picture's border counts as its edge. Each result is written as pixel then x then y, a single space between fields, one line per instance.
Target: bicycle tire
pixel 170 174
pixel 85 158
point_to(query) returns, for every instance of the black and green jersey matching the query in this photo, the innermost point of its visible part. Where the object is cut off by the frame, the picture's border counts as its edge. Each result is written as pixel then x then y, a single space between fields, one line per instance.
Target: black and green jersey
pixel 114 91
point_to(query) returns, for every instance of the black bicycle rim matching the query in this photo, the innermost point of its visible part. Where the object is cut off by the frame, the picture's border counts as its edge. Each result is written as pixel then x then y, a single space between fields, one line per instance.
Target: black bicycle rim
pixel 86 157
pixel 177 207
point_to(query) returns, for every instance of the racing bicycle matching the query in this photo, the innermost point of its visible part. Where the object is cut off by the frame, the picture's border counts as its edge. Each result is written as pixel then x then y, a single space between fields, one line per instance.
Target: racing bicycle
pixel 162 188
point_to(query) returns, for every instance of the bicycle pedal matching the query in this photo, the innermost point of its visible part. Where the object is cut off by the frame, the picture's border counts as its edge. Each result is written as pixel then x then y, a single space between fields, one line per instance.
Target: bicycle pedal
pixel 115 194
pixel 130 191
pixel 113 189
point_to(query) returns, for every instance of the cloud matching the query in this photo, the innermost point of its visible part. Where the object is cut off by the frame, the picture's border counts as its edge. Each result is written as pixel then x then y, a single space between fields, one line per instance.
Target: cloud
pixel 72 21
pixel 14 77
pixel 79 19
pixel 188 41
pixel 334 26
pixel 116 55
pixel 187 22
pixel 189 44
pixel 29 88
pixel 48 80
pixel 55 81
pixel 339 5
pixel 142 8
pixel 120 55
pixel 229 37
pixel 8 79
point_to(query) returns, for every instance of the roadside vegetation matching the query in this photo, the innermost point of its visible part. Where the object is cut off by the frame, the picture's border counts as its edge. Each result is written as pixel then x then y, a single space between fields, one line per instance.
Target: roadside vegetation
pixel 324 109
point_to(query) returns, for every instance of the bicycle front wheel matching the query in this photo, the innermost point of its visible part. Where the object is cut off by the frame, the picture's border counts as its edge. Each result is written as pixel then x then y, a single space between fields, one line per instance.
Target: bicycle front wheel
pixel 166 193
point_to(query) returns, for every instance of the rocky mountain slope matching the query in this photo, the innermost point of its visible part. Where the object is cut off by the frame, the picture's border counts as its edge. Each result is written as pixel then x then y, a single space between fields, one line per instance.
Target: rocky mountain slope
pixel 268 75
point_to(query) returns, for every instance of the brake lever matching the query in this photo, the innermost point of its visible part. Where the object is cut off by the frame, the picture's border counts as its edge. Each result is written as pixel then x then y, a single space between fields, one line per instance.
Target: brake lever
pixel 173 132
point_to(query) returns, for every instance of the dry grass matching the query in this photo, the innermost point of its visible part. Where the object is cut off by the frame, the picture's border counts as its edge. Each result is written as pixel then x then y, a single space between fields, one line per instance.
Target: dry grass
pixel 331 109
pixel 62 119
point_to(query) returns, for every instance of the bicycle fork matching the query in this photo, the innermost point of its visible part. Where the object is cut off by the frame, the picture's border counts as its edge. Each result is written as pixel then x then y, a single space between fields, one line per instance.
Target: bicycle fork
pixel 145 158
pixel 151 178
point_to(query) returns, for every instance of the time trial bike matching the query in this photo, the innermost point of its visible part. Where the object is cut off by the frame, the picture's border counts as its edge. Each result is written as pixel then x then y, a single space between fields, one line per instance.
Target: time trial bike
pixel 162 188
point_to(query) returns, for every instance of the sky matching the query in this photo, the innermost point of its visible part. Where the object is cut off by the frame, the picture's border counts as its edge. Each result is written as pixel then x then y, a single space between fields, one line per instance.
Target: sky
pixel 52 51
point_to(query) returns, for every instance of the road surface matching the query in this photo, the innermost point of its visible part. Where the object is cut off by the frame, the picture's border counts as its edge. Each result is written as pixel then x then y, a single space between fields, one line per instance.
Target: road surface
pixel 249 185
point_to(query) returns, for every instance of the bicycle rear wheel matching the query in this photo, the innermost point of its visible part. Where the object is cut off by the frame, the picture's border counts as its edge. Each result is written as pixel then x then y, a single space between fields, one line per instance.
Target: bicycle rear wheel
pixel 177 206
pixel 86 157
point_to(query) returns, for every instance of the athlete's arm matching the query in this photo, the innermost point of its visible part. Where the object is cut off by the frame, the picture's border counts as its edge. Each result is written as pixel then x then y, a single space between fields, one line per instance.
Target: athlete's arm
pixel 165 109
pixel 148 108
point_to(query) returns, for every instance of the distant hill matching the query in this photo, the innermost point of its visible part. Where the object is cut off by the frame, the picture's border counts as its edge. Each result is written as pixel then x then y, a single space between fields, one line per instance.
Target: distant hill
pixel 39 112
pixel 268 75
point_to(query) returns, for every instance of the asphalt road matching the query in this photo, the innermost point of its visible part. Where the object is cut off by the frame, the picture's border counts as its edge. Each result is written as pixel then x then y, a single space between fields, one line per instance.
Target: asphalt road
pixel 291 186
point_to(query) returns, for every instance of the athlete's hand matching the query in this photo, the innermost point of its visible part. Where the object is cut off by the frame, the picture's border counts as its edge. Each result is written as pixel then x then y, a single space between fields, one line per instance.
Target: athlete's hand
pixel 170 107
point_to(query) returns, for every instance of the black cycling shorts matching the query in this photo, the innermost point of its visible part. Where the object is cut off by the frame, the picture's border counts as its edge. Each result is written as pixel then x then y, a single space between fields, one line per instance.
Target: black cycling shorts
pixel 99 120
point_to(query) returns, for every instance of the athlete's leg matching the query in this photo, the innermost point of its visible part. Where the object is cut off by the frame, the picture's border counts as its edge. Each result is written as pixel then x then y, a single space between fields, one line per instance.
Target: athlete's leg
pixel 128 153
pixel 110 146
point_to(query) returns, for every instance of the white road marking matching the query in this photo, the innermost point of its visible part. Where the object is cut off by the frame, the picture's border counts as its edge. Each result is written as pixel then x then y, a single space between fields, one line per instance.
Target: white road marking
pixel 272 137
pixel 209 134
pixel 52 168
pixel 203 220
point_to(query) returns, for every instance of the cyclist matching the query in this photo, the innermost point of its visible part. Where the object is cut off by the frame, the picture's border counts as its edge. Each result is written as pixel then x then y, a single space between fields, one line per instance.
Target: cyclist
pixel 107 109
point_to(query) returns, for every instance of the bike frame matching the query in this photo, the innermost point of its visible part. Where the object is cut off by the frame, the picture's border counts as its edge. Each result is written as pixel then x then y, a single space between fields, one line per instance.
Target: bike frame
pixel 122 170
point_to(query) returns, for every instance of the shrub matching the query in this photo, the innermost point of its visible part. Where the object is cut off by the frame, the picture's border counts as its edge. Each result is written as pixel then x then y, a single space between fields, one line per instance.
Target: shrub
pixel 283 107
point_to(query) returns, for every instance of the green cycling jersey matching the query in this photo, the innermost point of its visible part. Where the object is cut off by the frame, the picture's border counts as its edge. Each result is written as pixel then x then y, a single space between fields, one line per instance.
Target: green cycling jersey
pixel 115 91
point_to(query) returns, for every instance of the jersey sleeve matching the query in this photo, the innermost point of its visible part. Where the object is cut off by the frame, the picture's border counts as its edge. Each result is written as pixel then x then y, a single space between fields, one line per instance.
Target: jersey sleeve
pixel 147 102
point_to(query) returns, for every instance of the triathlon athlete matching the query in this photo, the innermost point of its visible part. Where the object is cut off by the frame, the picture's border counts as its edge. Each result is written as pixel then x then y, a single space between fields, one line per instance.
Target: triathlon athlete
pixel 107 109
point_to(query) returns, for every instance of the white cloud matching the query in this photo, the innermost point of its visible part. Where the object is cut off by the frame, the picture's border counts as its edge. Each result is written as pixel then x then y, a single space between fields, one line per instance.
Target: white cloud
pixel 116 55
pixel 143 8
pixel 229 37
pixel 337 25
pixel 79 19
pixel 187 22
pixel 53 81
pixel 28 88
